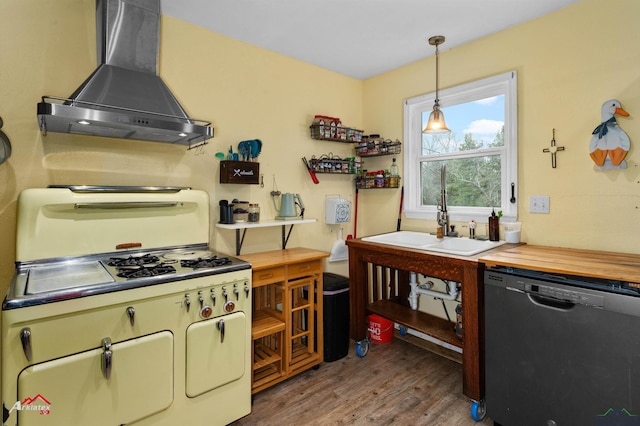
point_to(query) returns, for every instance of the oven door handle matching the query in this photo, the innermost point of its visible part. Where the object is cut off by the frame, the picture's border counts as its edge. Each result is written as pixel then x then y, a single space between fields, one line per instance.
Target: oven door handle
pixel 25 339
pixel 127 205
pixel 221 328
pixel 107 357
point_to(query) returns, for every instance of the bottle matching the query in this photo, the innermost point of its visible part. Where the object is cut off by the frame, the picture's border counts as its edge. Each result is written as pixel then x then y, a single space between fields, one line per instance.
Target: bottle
pixel 393 174
pixel 494 226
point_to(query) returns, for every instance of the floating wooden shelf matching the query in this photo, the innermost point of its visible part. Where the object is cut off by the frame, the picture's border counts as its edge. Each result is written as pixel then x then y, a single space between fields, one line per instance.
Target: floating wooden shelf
pixel 262 224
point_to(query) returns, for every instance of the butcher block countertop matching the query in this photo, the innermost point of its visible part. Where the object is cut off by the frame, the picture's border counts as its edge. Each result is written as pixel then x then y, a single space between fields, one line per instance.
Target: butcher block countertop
pixel 587 263
pixel 272 259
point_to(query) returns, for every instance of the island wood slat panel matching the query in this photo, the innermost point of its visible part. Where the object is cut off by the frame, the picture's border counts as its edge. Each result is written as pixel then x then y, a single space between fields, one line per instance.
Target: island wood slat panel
pixel 586 263
pixel 384 283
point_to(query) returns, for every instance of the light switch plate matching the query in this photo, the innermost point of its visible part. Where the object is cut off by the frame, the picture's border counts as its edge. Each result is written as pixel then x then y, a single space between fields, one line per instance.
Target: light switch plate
pixel 539 204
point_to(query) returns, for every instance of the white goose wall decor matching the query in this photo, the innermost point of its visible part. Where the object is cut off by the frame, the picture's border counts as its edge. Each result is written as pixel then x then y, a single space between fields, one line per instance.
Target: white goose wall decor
pixel 609 143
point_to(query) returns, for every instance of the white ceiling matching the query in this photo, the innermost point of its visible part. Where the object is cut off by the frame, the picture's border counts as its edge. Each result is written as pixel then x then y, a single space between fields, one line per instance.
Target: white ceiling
pixel 358 38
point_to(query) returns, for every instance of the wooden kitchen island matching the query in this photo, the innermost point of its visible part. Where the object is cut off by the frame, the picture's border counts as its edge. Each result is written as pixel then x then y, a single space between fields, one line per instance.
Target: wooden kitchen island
pixel 287 297
pixel 379 284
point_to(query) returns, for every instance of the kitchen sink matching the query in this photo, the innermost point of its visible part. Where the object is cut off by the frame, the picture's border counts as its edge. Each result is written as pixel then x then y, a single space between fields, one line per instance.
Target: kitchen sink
pixel 409 239
pixel 428 242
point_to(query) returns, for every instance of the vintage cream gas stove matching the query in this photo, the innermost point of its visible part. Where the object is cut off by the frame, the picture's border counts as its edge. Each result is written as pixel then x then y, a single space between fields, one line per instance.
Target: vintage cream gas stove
pixel 120 314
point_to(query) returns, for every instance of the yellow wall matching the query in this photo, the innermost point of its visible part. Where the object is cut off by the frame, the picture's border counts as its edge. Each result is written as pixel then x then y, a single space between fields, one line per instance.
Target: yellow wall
pixel 48 48
pixel 568 64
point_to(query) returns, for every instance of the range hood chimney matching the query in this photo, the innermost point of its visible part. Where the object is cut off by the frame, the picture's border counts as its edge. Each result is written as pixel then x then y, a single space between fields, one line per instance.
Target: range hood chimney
pixel 125 97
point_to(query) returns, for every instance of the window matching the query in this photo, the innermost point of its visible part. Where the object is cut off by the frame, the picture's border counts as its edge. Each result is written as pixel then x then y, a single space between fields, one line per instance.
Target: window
pixel 480 153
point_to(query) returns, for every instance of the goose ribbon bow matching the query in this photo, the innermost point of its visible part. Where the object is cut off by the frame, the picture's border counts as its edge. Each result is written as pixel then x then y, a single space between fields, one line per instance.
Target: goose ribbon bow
pixel 602 129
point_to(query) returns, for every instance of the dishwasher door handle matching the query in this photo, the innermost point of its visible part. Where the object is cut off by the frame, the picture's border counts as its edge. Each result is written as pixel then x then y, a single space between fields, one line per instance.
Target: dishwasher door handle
pixel 550 302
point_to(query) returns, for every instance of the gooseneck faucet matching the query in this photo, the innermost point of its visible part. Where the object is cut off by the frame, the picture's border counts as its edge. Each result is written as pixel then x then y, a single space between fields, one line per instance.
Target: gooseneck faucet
pixel 443 215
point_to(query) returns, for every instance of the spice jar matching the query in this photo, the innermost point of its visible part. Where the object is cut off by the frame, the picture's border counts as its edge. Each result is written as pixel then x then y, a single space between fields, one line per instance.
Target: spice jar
pixel 379 182
pixel 254 213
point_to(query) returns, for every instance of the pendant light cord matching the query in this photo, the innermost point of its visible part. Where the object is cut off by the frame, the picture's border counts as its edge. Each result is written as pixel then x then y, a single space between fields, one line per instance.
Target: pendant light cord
pixel 437 76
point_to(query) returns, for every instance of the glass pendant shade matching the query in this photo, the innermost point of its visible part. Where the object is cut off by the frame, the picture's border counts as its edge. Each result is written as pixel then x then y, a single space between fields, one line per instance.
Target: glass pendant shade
pixel 436 123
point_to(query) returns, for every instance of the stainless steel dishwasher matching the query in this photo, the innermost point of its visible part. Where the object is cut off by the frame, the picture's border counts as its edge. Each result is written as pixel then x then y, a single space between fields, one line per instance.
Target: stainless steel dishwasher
pixel 561 350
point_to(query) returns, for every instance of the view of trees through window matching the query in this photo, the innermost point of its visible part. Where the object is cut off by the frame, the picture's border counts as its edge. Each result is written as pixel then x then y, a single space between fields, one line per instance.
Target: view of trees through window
pixel 480 153
pixel 473 164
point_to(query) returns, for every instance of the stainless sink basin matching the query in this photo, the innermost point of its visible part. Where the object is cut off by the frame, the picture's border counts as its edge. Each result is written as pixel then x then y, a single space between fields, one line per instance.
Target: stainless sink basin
pixel 428 242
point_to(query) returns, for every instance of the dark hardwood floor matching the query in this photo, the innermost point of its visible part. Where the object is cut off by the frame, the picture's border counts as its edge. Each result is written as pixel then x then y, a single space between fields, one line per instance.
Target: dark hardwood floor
pixel 397 383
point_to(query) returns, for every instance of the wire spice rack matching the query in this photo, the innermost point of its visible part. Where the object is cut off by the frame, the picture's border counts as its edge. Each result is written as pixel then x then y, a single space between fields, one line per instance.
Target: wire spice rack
pixel 375 147
pixel 336 134
pixel 334 164
pixel 377 180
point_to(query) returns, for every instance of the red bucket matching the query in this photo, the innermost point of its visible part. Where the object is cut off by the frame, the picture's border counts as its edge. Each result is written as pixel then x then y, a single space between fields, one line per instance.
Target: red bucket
pixel 380 329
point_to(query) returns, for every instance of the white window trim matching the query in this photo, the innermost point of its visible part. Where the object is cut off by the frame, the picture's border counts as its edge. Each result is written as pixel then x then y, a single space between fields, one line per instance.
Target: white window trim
pixel 500 84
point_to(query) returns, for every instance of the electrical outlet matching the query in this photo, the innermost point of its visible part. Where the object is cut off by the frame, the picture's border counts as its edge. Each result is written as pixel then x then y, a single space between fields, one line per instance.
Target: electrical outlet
pixel 539 204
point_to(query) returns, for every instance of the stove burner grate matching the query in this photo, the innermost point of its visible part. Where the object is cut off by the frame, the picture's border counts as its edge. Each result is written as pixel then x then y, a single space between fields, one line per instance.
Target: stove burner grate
pixel 133 260
pixel 139 271
pixel 209 262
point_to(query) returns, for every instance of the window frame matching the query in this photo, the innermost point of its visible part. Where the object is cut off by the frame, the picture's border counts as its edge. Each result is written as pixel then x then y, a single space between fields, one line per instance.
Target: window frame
pixel 503 84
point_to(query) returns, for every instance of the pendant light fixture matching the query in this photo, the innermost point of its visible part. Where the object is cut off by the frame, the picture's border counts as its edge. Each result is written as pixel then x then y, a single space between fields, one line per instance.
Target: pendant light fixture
pixel 436 123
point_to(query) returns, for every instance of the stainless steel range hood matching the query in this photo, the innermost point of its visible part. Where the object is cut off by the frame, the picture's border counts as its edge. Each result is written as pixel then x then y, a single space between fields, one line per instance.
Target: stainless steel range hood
pixel 124 97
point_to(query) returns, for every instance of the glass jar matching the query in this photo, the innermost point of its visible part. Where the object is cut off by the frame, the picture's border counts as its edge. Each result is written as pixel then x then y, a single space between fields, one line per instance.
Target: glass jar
pixel 379 182
pixel 254 213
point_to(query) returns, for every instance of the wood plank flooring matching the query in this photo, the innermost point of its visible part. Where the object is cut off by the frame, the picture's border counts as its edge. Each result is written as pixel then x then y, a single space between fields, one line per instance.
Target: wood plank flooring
pixel 397 383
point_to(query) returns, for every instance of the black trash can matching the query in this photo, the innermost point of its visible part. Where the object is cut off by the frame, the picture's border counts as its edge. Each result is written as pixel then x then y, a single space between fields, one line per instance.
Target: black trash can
pixel 335 298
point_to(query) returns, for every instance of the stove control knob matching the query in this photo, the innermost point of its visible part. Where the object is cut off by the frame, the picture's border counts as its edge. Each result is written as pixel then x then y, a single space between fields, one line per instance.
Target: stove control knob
pixel 237 293
pixel 246 291
pixel 206 311
pixel 229 306
pixel 201 300
pixel 213 299
pixel 226 296
pixel 187 301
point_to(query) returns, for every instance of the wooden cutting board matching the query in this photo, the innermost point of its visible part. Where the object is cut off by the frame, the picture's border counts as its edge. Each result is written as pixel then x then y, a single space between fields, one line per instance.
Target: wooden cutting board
pixel 588 263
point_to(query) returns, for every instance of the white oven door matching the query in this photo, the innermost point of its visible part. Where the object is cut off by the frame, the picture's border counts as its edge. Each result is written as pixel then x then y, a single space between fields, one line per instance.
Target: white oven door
pixel 73 390
pixel 214 357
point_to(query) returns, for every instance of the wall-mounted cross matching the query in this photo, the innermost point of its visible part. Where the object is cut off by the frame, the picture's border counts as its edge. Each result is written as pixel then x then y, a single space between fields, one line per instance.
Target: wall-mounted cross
pixel 553 149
